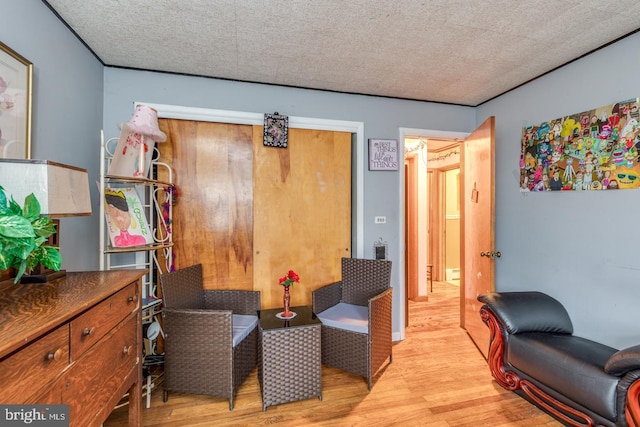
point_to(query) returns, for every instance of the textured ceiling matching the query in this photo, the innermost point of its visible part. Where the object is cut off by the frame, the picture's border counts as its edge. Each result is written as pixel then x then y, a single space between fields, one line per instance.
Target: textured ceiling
pixel 461 52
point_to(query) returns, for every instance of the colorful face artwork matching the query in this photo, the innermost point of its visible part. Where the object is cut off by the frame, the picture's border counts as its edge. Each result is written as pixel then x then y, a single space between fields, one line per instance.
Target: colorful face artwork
pixel 594 150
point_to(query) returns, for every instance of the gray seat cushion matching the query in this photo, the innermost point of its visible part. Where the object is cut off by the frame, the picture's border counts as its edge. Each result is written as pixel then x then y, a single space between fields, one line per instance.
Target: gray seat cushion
pixel 572 366
pixel 243 324
pixel 351 317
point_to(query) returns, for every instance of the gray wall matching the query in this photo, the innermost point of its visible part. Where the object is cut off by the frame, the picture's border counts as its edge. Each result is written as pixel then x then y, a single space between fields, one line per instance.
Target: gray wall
pixel 580 247
pixel 382 118
pixel 67 110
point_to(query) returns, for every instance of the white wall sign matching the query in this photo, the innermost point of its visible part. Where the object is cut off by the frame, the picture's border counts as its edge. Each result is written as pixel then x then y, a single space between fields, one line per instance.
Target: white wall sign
pixel 383 154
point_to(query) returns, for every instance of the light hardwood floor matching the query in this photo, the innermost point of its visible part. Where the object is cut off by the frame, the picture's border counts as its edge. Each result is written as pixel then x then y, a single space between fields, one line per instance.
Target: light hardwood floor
pixel 438 378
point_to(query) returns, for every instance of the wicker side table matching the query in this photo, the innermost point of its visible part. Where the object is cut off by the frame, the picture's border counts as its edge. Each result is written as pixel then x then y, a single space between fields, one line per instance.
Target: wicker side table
pixel 289 357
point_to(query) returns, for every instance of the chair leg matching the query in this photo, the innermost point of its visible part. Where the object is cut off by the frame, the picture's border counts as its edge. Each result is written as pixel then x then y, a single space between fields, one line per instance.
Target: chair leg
pixel 165 396
pixel 231 404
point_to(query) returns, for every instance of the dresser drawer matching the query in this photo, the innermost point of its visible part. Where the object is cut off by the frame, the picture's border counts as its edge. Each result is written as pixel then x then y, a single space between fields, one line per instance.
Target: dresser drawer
pixel 24 373
pixel 51 394
pixel 88 328
pixel 94 379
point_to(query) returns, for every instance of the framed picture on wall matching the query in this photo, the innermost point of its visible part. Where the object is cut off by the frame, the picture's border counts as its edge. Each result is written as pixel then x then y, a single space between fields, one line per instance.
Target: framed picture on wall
pixel 276 130
pixel 15 104
pixel 383 154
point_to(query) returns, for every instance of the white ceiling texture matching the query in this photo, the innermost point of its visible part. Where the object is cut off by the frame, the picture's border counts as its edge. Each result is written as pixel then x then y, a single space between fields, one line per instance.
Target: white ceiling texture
pixel 450 51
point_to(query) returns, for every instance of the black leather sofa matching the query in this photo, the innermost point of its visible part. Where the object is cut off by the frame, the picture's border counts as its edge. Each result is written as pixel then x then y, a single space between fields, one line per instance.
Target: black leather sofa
pixel 533 352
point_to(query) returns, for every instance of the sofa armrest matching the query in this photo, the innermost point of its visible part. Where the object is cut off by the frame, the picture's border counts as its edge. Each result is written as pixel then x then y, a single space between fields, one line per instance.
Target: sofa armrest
pixel 628 391
pixel 326 296
pixel 623 361
pixel 238 301
pixel 528 312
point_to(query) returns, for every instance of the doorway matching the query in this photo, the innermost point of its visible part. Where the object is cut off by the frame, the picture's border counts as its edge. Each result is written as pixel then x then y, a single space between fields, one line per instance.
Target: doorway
pixel 427 155
pixel 444 209
pixel 477 196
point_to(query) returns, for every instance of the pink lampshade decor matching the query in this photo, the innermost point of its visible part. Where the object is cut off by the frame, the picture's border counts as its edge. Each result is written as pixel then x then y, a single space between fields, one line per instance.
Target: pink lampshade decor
pixel 145 121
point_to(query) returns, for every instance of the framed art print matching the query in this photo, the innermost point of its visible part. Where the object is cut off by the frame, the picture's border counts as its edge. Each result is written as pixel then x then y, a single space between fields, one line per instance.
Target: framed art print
pixel 15 104
pixel 383 154
pixel 276 130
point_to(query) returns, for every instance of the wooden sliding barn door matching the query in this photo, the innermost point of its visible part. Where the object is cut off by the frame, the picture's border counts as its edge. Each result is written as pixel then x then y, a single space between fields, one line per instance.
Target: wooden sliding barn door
pixel 302 212
pixel 213 216
pixel 250 213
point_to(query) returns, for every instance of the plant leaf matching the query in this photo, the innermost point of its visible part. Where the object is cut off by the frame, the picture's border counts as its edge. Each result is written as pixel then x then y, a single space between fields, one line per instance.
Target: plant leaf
pixel 15 227
pixel 14 208
pixel 43 226
pixel 3 201
pixel 31 209
pixel 21 269
pixel 52 258
pixel 20 248
pixel 5 260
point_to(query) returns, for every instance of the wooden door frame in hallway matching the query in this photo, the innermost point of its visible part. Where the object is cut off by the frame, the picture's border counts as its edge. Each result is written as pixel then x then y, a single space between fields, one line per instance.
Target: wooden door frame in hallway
pixel 441 271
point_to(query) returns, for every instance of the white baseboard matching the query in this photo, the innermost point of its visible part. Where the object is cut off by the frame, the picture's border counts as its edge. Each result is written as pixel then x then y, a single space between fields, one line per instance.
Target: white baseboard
pixel 452 274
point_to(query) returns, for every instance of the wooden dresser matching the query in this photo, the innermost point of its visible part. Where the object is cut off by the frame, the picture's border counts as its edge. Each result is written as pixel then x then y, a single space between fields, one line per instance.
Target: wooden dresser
pixel 76 340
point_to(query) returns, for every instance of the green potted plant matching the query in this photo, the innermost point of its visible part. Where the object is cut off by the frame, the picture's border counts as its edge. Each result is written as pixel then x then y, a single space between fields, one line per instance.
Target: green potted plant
pixel 23 232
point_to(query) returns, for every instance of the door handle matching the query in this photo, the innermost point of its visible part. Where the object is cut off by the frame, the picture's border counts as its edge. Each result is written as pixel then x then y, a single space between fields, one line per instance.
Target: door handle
pixel 492 254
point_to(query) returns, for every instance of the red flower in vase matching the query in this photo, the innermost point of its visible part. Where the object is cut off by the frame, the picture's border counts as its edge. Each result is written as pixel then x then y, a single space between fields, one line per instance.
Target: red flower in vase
pixel 289 279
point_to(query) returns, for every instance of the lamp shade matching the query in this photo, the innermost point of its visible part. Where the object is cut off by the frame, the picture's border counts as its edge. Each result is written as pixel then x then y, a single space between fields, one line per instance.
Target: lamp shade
pixel 145 121
pixel 62 190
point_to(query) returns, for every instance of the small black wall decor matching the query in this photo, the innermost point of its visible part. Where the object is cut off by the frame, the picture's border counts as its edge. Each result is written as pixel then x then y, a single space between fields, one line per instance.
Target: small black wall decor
pixel 380 248
pixel 276 130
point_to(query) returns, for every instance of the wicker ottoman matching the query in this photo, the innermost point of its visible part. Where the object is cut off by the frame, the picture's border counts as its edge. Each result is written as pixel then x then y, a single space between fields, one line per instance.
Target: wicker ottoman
pixel 289 357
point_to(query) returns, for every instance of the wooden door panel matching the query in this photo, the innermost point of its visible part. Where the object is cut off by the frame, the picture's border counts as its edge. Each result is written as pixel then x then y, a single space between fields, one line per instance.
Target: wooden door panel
pixel 477 274
pixel 302 212
pixel 436 224
pixel 213 216
pixel 411 232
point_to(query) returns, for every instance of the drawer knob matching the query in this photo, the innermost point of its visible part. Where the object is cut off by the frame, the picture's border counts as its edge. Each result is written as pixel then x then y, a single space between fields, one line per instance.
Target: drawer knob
pixel 86 331
pixel 55 355
pixel 126 349
pixel 132 298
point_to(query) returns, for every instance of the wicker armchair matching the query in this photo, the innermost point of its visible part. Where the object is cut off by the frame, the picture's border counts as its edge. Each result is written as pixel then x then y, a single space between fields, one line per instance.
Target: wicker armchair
pixel 356 317
pixel 211 336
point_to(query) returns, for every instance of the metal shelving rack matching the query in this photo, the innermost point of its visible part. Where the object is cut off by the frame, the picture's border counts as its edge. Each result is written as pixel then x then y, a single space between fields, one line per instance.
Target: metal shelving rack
pixel 156 258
